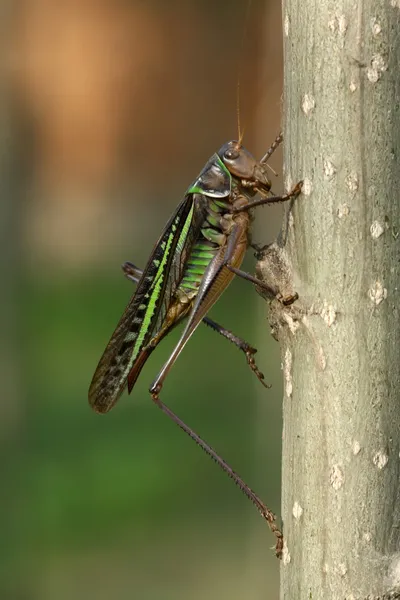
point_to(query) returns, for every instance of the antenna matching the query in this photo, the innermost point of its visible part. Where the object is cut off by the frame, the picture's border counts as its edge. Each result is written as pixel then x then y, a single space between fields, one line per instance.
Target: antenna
pixel 278 141
pixel 240 132
pixel 246 22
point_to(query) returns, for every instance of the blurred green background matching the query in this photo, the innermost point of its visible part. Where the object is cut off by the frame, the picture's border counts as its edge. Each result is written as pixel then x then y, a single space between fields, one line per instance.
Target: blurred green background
pixel 108 110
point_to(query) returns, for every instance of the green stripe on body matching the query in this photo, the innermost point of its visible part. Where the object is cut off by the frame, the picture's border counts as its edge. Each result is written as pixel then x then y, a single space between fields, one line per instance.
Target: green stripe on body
pixel 200 261
pixel 158 280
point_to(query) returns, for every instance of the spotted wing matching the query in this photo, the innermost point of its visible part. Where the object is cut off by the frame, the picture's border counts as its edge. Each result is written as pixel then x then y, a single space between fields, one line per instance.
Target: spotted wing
pixel 146 308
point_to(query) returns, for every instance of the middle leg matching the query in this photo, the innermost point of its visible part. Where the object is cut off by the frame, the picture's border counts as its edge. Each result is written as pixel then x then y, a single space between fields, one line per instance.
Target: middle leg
pixel 133 273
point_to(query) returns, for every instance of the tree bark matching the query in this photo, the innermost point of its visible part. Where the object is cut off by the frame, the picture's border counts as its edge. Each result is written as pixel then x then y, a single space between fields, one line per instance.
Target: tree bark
pixel 341 340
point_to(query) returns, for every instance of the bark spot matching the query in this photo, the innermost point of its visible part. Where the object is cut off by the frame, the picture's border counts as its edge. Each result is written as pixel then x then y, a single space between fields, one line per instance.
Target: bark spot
pixel 297 510
pixel 341 569
pixel 329 169
pixel 356 447
pixel 321 359
pixel 287 371
pixel 342 25
pixel 286 25
pixel 328 313
pixel 308 104
pixel 336 477
pixel 393 576
pixel 292 324
pixel 343 211
pixel 380 459
pixel 377 293
pixel 375 27
pixel 376 229
pixel 377 67
pixel 307 187
pixel 286 558
pixel 367 537
pixel 353 86
pixel 352 182
pixel 332 24
pixel 338 24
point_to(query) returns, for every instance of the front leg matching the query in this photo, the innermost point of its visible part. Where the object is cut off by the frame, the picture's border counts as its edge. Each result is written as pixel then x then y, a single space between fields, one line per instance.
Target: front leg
pixel 285 300
pixel 269 200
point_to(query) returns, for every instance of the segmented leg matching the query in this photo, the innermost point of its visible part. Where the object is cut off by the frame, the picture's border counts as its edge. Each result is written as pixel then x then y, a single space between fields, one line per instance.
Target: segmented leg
pixel 285 300
pixel 261 507
pixel 133 273
pixel 242 345
pixel 271 199
pixel 259 249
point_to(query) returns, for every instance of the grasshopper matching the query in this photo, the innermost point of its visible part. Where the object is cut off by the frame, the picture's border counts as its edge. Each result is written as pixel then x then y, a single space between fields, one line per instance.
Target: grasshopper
pixel 195 258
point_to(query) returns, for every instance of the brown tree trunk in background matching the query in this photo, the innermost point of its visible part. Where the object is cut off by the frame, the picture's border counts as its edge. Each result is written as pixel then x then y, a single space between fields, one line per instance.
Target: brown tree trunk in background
pixel 11 180
pixel 341 340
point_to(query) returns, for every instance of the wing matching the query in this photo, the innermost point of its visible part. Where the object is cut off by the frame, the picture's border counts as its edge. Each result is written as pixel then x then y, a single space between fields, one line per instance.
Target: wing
pixel 145 314
pixel 216 279
pixel 147 308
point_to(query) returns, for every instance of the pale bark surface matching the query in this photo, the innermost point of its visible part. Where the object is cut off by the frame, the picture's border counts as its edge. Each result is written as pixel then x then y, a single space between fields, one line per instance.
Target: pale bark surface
pixel 341 339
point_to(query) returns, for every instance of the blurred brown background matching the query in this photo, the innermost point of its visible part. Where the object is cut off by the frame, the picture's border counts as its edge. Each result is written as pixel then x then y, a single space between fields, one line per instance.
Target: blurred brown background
pixel 108 110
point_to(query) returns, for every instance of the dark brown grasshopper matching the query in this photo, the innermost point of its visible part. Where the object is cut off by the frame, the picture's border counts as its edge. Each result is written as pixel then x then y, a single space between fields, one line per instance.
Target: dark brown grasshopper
pixel 197 255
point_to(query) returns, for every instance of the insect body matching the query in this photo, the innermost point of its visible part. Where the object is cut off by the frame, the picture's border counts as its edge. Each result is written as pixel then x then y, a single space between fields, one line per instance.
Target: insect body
pixel 198 253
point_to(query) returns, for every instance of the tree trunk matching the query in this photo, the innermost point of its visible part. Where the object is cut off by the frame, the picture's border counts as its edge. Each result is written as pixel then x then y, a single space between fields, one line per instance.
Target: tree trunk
pixel 10 189
pixel 13 176
pixel 340 341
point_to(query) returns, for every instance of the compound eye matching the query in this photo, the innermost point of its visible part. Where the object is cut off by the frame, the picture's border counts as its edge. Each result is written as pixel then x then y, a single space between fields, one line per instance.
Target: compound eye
pixel 231 154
